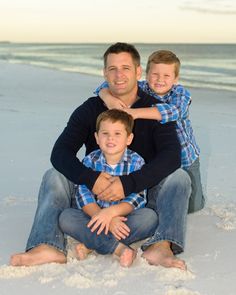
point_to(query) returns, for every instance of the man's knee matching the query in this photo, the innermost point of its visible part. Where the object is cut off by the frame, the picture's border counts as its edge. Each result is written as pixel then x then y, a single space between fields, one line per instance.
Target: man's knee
pixel 180 177
pixel 54 179
pixel 56 188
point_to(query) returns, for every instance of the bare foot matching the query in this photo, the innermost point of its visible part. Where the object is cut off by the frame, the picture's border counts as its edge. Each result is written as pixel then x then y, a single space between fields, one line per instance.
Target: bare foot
pixel 39 255
pixel 126 255
pixel 161 254
pixel 82 251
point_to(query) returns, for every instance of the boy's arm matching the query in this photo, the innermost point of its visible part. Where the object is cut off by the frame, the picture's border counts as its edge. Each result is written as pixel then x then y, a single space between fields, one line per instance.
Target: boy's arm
pixel 151 113
pixel 176 109
pixel 91 209
pixel 86 201
pixel 111 101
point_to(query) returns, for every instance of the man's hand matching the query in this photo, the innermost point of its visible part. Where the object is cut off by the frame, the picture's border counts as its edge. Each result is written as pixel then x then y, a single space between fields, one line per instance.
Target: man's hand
pixel 114 192
pixel 102 182
pixel 118 227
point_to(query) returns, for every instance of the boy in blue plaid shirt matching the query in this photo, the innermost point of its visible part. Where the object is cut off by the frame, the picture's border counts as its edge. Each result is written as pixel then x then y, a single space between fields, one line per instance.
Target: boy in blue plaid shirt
pixel 162 74
pixel 110 226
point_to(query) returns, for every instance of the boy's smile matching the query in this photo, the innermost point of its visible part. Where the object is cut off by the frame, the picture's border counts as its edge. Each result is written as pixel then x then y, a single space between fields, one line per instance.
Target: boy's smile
pixel 161 77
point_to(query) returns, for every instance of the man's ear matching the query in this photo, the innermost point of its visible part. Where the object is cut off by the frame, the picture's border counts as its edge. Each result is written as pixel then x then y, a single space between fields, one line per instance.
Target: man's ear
pixel 104 73
pixel 130 138
pixel 139 72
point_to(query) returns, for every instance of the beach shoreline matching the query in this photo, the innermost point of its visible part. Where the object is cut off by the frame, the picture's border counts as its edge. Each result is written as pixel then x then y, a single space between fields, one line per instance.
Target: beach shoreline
pixel 35 104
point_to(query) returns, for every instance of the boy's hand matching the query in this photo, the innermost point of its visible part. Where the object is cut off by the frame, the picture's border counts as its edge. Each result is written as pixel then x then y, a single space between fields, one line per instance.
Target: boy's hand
pixel 132 112
pixel 116 103
pixel 118 227
pixel 111 101
pixel 101 220
pixel 114 192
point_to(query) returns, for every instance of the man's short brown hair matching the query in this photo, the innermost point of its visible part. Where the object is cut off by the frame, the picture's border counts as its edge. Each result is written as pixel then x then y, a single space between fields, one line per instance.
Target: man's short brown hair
pixel 120 47
pixel 164 57
pixel 115 115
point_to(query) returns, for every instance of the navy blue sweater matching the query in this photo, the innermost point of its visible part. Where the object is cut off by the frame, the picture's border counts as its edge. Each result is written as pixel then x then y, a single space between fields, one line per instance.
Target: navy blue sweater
pixel 156 143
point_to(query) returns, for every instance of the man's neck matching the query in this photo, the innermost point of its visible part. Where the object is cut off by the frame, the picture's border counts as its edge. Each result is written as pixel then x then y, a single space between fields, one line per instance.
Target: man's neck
pixel 130 98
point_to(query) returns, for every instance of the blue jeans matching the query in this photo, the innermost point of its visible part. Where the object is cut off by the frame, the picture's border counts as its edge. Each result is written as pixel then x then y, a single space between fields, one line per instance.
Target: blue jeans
pixel 170 201
pixel 56 193
pixel 197 199
pixel 73 222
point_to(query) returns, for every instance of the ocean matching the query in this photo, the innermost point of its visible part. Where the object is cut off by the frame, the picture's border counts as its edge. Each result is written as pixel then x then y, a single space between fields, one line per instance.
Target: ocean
pixel 202 65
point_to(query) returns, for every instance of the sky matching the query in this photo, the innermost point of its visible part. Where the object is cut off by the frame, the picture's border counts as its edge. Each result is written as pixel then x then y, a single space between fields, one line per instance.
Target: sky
pixel 155 21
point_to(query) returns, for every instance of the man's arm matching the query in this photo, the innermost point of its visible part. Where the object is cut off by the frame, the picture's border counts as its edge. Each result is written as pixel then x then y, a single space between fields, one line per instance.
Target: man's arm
pixel 166 160
pixel 79 131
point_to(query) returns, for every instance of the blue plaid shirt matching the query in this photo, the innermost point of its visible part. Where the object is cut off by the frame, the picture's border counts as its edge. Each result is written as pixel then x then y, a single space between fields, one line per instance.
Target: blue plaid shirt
pixel 174 107
pixel 130 162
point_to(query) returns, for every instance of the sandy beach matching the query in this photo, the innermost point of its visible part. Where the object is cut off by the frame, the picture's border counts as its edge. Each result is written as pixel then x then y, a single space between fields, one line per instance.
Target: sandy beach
pixel 35 104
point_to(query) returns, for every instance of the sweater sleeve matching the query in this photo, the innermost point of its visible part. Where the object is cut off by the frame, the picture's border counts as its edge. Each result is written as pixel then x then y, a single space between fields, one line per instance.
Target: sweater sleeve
pixel 178 106
pixel 64 153
pixel 166 160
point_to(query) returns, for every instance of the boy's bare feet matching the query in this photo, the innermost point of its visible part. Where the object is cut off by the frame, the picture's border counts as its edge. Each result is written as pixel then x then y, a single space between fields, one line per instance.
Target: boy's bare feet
pixel 161 254
pixel 126 254
pixel 39 255
pixel 82 251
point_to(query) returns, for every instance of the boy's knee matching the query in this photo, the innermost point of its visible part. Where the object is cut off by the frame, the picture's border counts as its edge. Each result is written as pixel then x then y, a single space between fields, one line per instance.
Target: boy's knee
pixel 149 217
pixel 64 220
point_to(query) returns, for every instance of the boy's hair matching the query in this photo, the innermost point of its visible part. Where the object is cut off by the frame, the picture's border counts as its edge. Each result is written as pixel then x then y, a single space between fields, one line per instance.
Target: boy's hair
pixel 120 47
pixel 115 115
pixel 164 57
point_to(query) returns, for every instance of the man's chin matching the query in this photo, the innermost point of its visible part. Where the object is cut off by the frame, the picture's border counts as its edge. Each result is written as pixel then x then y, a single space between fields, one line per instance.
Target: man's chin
pixel 118 92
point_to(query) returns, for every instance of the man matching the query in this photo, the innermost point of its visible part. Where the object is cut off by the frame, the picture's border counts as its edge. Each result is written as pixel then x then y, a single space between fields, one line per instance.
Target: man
pixel 168 188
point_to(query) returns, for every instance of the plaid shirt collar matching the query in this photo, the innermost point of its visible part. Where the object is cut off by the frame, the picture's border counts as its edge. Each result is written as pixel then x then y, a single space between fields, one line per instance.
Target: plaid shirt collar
pixel 124 158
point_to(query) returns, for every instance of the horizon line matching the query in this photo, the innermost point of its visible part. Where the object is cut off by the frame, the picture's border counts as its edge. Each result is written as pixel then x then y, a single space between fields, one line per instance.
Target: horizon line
pixel 136 42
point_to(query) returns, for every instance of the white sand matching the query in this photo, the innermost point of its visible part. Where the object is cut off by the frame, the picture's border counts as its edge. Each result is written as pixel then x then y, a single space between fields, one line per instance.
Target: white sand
pixel 34 107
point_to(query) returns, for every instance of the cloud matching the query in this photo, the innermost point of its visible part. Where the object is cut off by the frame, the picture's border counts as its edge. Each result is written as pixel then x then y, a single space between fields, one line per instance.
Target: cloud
pixel 211 7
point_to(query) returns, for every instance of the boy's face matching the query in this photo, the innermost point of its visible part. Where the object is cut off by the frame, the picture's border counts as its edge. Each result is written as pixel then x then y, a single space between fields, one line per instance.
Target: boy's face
pixel 161 77
pixel 122 74
pixel 112 138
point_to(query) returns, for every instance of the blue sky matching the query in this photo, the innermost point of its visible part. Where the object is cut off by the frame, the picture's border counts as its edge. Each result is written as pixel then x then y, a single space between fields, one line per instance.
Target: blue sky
pixel 178 21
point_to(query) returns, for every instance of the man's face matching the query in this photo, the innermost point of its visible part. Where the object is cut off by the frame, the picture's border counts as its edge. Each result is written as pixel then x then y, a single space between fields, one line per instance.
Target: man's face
pixel 121 74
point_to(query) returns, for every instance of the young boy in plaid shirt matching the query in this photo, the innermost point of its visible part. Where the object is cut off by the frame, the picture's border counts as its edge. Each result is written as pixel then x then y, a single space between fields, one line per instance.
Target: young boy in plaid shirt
pixel 110 226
